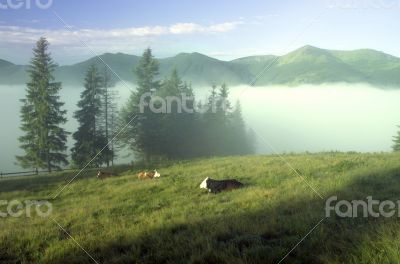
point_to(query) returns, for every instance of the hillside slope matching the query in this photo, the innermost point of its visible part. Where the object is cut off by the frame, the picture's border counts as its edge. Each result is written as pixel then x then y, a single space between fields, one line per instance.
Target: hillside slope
pixel 377 67
pixel 121 64
pixel 12 74
pixel 203 70
pixel 305 65
pixel 124 220
pixel 310 65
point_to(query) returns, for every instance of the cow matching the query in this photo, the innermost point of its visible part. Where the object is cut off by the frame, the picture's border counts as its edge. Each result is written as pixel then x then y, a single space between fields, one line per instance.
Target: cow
pixel 103 174
pixel 215 186
pixel 148 175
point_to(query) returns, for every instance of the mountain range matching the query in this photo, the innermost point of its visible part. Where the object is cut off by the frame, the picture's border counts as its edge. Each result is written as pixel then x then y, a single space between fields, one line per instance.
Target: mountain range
pixel 306 65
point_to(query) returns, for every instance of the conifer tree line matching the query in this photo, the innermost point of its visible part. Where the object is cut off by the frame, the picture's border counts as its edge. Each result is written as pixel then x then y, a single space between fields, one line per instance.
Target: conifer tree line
pixel 220 130
pixel 176 134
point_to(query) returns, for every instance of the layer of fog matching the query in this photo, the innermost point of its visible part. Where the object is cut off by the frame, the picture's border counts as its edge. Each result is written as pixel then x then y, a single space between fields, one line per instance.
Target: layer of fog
pixel 330 117
pixel 291 119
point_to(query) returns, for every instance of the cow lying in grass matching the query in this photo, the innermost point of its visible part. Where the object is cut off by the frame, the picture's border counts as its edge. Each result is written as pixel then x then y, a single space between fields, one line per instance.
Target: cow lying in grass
pixel 216 186
pixel 148 175
pixel 103 174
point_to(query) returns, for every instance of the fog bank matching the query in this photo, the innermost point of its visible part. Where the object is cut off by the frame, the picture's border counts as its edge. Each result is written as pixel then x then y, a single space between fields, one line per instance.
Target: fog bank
pixel 312 118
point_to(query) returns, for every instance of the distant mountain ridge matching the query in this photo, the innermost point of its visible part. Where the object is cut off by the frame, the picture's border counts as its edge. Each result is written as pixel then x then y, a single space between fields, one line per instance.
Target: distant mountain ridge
pixel 306 65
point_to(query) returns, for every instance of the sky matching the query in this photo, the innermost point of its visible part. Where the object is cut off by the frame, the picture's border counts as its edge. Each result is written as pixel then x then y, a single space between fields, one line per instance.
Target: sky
pixel 224 29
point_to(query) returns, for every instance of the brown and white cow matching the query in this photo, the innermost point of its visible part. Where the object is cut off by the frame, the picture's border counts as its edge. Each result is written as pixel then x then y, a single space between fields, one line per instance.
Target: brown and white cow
pixel 104 174
pixel 148 175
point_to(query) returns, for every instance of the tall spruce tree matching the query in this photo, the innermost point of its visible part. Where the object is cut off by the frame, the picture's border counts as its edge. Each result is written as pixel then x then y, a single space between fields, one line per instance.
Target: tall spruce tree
pixel 216 121
pixel 240 142
pixel 178 122
pixel 90 138
pixel 209 122
pixel 223 130
pixel 143 133
pixel 44 140
pixel 109 112
pixel 396 140
pixel 188 122
pixel 223 104
pixel 113 130
pixel 224 116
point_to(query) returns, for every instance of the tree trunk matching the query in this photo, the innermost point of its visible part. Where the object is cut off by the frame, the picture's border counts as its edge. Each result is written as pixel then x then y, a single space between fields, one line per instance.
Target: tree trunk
pixel 106 112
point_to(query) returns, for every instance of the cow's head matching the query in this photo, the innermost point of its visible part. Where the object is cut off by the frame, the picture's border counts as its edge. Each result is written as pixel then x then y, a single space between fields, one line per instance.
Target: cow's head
pixel 156 174
pixel 204 185
pixel 99 174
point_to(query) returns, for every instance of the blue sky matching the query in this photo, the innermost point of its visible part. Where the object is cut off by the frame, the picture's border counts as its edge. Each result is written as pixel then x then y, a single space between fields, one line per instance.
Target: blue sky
pixel 222 29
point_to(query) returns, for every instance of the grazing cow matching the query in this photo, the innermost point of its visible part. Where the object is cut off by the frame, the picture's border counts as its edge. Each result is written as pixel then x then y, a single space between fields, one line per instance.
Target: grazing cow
pixel 143 175
pixel 148 175
pixel 216 186
pixel 156 174
pixel 103 174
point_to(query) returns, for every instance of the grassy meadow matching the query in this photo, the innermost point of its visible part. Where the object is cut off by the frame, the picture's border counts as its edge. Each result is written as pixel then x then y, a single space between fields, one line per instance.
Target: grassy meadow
pixel 171 220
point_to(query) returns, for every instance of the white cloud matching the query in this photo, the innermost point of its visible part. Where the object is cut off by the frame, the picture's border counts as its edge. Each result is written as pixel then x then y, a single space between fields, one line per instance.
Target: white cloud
pixel 185 28
pixel 228 26
pixel 17 34
pixel 29 21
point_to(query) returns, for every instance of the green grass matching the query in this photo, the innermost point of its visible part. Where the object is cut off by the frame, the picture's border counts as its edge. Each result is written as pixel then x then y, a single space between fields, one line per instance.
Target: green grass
pixel 171 220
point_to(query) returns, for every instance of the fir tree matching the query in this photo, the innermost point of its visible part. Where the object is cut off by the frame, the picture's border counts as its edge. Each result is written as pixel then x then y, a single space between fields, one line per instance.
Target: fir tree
pixel 240 141
pixel 177 123
pixel 109 112
pixel 216 122
pixel 89 138
pixel 44 140
pixel 396 140
pixel 223 104
pixel 143 133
